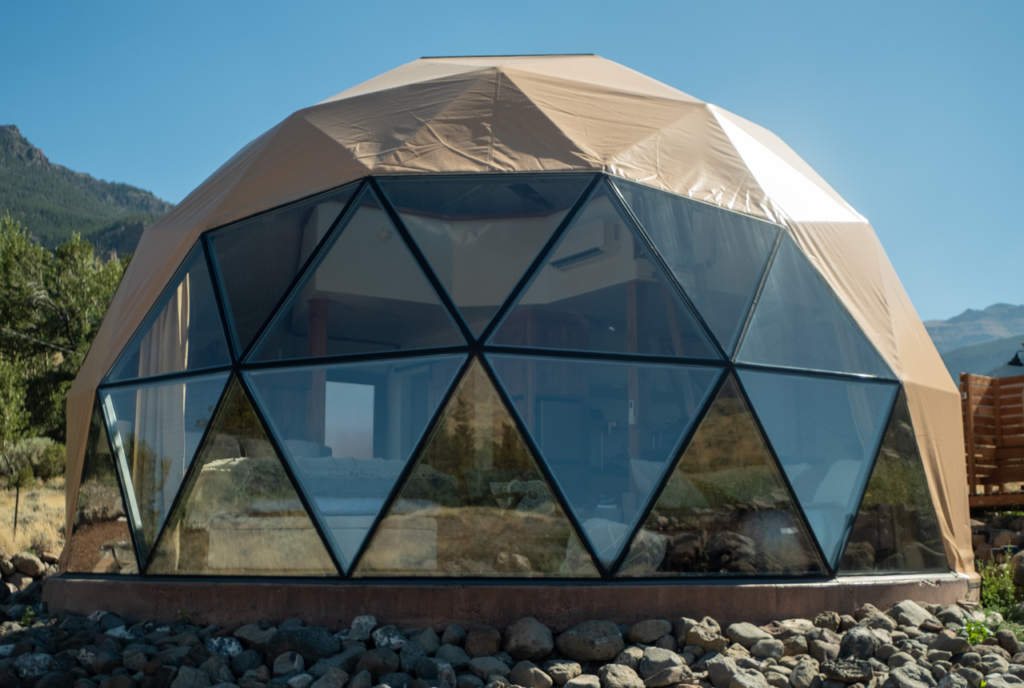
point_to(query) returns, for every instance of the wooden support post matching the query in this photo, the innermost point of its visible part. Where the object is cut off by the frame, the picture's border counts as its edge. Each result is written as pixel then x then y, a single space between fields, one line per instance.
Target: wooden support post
pixel 968 411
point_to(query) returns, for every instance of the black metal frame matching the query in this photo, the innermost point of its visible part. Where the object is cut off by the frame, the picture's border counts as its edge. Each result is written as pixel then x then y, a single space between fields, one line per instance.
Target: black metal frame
pixel 475 349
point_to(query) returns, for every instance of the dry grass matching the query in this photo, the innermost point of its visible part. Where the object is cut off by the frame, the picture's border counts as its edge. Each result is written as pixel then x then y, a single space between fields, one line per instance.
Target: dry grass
pixel 40 519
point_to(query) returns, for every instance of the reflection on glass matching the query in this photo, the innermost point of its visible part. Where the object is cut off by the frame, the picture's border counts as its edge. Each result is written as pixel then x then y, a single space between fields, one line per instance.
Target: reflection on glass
pixel 718 256
pixel 607 431
pixel 240 514
pixel 475 503
pixel 349 431
pixel 159 427
pixel 600 291
pixel 367 294
pixel 259 258
pixel 825 433
pixel 480 234
pixel 798 323
pixel 896 529
pixel 183 332
pixel 725 509
pixel 100 538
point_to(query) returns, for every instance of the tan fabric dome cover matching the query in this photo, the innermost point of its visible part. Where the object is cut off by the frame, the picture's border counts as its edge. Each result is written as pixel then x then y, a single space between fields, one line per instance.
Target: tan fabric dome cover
pixel 553 113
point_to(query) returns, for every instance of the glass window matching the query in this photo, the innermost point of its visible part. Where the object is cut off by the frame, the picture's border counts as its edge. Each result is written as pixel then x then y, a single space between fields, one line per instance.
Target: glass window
pixel 259 258
pixel 481 233
pixel 349 430
pixel 239 513
pixel 896 530
pixel 184 331
pixel 825 433
pixel 798 323
pixel 607 431
pixel 101 541
pixel 366 294
pixel 475 503
pixel 726 509
pixel 158 427
pixel 718 256
pixel 599 291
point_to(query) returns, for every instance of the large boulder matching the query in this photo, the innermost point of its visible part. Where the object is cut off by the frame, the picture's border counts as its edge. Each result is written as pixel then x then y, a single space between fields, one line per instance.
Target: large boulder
pixel 528 639
pixel 591 641
pixel 859 643
pixel 746 634
pixel 29 564
pixel 310 642
pixel 908 613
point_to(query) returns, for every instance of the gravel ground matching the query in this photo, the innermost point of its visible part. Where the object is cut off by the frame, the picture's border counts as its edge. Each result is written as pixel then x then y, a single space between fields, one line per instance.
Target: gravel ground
pixel 910 645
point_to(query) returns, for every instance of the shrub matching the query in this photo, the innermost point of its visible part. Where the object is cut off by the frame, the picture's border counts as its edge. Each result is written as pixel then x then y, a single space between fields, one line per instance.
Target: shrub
pixel 998 594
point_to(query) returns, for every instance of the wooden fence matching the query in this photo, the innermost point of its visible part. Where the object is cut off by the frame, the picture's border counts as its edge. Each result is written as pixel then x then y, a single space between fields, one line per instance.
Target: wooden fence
pixel 993 415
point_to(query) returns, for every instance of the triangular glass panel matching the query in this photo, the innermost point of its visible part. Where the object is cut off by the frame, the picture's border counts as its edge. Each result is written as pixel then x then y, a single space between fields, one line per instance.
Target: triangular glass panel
pixel 717 256
pixel 897 530
pixel 182 333
pixel 725 509
pixel 258 259
pixel 475 503
pixel 158 428
pixel 825 433
pixel 600 291
pixel 239 513
pixel 365 293
pixel 798 323
pixel 349 430
pixel 480 234
pixel 101 540
pixel 607 432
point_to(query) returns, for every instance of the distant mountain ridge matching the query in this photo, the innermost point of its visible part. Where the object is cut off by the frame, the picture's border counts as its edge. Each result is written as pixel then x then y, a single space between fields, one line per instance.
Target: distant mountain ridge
pixel 52 201
pixel 998 321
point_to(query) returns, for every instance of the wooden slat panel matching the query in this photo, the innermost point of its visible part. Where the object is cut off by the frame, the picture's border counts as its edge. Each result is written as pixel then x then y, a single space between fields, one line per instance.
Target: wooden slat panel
pixel 1016 441
pixel 979 501
pixel 1005 453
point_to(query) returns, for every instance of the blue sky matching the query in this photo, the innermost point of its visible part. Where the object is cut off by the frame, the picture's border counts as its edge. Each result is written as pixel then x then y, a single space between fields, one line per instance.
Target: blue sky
pixel 910 110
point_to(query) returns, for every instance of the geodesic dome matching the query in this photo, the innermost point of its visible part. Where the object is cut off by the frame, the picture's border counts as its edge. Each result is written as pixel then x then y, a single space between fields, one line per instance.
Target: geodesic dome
pixel 514 317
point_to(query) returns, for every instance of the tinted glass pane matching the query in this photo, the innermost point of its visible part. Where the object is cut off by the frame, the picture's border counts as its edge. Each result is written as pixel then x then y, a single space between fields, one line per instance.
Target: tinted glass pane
pixel 184 332
pixel 607 431
pixel 259 258
pixel 475 503
pixel 100 538
pixel 349 430
pixel 366 294
pixel 480 234
pixel 717 256
pixel 825 433
pixel 799 324
pixel 599 291
pixel 725 509
pixel 240 513
pixel 159 427
pixel 896 528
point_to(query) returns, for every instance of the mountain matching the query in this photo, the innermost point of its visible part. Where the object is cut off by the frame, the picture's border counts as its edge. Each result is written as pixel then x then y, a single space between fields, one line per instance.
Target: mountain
pixel 998 321
pixel 51 201
pixel 983 358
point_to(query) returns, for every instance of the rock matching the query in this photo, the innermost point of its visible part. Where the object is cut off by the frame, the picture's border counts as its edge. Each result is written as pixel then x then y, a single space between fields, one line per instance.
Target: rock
pixel 1008 641
pixel 829 620
pixel 410 655
pixel 847 670
pixel 310 642
pixel 993 664
pixel 362 679
pixel 378 661
pixel 20 581
pixel 763 649
pixel 332 678
pixel 746 634
pixel 656 660
pixel 667 642
pixel 388 638
pixel 748 678
pixel 399 679
pixel 804 674
pixel 912 676
pixel 33 665
pixel 669 677
pixel 821 651
pixel 288 664
pixel 300 681
pixel 216 667
pixel 951 614
pixel 485 667
pixel 482 641
pixel 189 677
pixel 908 613
pixel 720 670
pixel 254 637
pixel 529 639
pixel 859 643
pixel 428 639
pixel 361 627
pixel 562 671
pixel 880 621
pixel 949 642
pixel 590 641
pixel 584 681
pixel 794 645
pixel 618 676
pixel 528 675
pixel 453 655
pixel 899 659
pixel 229 647
pixel 28 564
pixel 648 632
pixel 454 634
pixel 630 657
pixel 468 681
